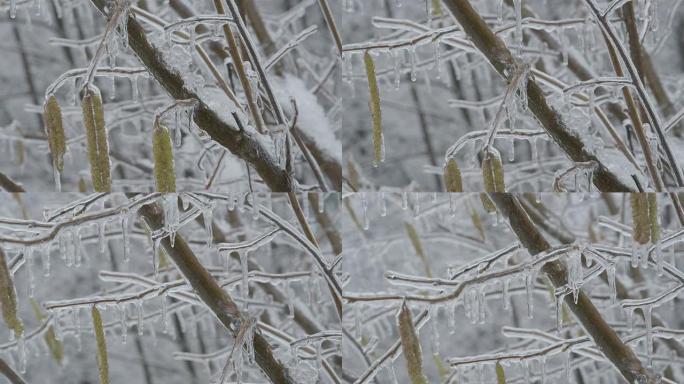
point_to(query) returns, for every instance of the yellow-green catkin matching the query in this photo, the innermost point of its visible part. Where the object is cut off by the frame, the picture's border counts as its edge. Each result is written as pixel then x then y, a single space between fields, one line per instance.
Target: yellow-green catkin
pixel 55 346
pixel 437 7
pixel 354 176
pixel 417 246
pixel 102 362
pixel 493 176
pixel 52 116
pixel 376 113
pixel 653 217
pixel 500 374
pixel 477 223
pixel 641 232
pixel 8 298
pixel 410 346
pixel 452 177
pixel 162 151
pixel 96 135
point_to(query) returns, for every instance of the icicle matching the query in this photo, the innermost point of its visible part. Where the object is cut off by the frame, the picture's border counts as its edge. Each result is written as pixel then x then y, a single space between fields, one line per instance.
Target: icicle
pixel 305 204
pixel 433 312
pixel 101 237
pixel 505 295
pixel 482 305
pixel 559 312
pixel 567 368
pixel 575 273
pixel 438 59
pixel 499 15
pixel 416 204
pixel 610 271
pixel 28 251
pixel 208 215
pixel 529 287
pixel 397 70
pixel 413 57
pixel 46 260
pixel 123 324
pixel 75 313
pixel 256 212
pixel 139 309
pixel 404 200
pixel 653 15
pixel 357 322
pixel 244 287
pixel 383 204
pixel 155 257
pixel 126 240
pixel 364 206
pixel 630 319
pixel 648 323
pixel 321 202
pixel 517 5
pixel 13 9
pixel 164 314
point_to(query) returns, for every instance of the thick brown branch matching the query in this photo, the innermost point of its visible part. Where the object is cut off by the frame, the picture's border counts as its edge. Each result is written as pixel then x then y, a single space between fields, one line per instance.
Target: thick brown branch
pixel 605 337
pixel 498 54
pixel 211 294
pixel 238 142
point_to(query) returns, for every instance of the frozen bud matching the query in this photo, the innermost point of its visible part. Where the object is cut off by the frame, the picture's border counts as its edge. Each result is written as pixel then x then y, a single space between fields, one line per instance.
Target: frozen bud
pixel 641 232
pixel 55 346
pixel 8 298
pixel 96 135
pixel 493 176
pixel 102 362
pixel 52 116
pixel 410 346
pixel 162 151
pixel 452 177
pixel 653 217
pixel 376 114
pixel 500 374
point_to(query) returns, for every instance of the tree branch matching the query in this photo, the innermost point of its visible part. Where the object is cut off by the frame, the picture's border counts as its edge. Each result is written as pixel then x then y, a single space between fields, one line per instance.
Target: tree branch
pixel 605 338
pixel 215 298
pixel 242 144
pixel 495 50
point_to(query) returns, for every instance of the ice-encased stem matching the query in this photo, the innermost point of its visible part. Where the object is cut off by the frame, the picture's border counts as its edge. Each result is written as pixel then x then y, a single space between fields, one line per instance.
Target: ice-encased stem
pixel 607 340
pixel 213 296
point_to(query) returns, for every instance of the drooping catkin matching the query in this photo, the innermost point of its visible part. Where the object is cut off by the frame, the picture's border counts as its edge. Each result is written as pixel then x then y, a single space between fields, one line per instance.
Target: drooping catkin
pixel 653 217
pixel 102 362
pixel 418 246
pixel 162 151
pixel 55 346
pixel 8 298
pixel 500 374
pixel 410 346
pixel 452 177
pixel 493 176
pixel 641 232
pixel 96 135
pixel 52 116
pixel 376 113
